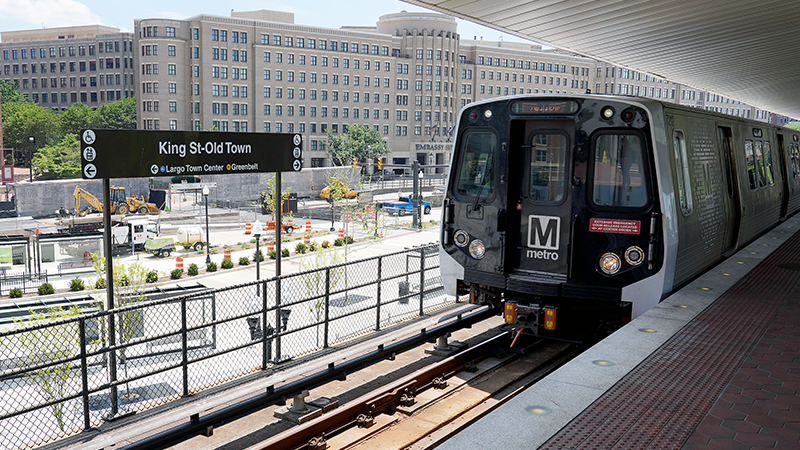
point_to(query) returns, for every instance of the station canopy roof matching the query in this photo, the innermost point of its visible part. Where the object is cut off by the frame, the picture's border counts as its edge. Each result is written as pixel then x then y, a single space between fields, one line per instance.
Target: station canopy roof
pixel 744 49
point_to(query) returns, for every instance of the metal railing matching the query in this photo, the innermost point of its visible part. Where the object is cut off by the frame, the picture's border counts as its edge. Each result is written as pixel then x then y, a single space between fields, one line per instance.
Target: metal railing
pixel 61 375
pixel 27 282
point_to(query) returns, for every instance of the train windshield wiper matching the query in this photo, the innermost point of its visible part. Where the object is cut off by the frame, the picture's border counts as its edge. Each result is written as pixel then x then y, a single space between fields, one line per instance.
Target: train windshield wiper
pixel 480 191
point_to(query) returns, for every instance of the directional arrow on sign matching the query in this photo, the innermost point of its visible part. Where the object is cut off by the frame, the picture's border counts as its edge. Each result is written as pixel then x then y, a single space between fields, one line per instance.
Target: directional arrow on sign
pixel 89 171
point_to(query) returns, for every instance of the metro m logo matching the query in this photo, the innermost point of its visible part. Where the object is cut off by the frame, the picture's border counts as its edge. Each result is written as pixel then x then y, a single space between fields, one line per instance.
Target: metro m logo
pixel 544 232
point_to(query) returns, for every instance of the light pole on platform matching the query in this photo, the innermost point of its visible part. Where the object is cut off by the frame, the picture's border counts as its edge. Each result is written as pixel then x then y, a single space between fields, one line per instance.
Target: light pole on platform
pixel 207 191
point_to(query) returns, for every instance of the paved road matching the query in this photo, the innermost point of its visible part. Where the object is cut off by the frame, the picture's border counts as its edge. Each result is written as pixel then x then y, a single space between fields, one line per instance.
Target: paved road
pixel 396 231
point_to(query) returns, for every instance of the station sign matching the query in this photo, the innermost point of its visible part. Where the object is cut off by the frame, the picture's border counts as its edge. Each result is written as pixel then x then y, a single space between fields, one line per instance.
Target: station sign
pixel 139 153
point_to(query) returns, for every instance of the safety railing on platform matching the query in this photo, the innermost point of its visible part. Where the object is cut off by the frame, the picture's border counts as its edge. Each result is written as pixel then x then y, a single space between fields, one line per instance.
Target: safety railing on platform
pixel 66 372
pixel 27 282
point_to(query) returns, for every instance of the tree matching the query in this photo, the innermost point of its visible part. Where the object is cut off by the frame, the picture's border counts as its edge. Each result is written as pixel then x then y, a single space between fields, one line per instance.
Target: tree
pixel 10 93
pixel 793 125
pixel 117 115
pixel 314 281
pixel 47 343
pixel 77 117
pixel 359 141
pixel 60 160
pixel 268 197
pixel 21 120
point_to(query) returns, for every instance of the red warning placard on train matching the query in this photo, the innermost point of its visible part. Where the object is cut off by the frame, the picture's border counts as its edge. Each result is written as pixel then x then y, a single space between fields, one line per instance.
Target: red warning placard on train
pixel 615 226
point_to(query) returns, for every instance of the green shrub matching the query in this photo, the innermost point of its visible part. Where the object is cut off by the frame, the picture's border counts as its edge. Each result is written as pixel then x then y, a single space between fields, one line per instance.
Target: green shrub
pixel 338 242
pixel 285 252
pixel 313 246
pixel 211 267
pixel 326 244
pixel 300 248
pixel 272 254
pixel 15 293
pixel 226 264
pixel 123 280
pixel 46 289
pixel 244 260
pixel 152 276
pixel 259 255
pixel 213 250
pixel 100 283
pixel 192 270
pixel 176 274
pixel 76 285
pixel 348 240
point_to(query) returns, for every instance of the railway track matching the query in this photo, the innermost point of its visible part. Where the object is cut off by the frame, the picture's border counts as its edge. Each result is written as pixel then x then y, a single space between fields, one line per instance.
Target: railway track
pixel 413 400
pixel 428 406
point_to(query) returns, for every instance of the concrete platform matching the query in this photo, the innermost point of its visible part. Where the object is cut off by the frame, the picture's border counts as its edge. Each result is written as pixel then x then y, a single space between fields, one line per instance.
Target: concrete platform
pixel 715 365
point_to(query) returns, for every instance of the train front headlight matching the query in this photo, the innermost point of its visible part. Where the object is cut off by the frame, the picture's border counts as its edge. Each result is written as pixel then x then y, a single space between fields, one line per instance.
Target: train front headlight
pixel 610 263
pixel 634 255
pixel 461 238
pixel 476 249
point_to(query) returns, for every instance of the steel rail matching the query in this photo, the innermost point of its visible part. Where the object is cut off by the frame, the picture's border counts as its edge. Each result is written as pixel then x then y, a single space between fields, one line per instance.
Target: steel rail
pixel 197 425
pixel 362 410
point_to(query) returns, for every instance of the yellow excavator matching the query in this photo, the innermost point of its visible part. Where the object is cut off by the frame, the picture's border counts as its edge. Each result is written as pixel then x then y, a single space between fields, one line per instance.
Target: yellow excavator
pixel 120 203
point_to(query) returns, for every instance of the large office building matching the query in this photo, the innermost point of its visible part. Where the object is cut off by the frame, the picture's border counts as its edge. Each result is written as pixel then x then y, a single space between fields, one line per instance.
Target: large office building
pixel 407 77
pixel 56 67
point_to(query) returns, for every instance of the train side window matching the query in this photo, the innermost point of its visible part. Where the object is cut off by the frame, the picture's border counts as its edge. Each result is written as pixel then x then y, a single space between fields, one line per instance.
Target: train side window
pixel 682 169
pixel 476 171
pixel 795 149
pixel 750 160
pixel 548 161
pixel 768 170
pixel 619 174
pixel 762 179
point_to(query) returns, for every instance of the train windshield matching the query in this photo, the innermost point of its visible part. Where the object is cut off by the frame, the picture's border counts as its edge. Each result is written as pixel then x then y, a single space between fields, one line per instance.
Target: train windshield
pixel 548 161
pixel 476 174
pixel 620 179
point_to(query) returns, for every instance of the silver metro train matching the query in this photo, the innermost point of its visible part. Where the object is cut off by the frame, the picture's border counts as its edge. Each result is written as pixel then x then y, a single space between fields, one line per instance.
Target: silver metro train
pixel 574 211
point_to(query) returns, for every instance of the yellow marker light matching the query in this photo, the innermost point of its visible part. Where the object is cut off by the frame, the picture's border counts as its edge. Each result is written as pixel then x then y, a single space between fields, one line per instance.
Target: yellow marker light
pixel 602 363
pixel 549 318
pixel 538 410
pixel 647 330
pixel 510 313
pixel 705 288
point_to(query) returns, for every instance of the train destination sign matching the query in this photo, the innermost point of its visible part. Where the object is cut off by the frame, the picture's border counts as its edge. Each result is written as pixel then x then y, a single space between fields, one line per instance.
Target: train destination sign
pixel 139 153
pixel 544 107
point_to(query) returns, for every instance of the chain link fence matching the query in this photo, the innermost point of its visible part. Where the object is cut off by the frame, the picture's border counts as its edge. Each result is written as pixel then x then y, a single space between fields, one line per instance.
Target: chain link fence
pixel 64 372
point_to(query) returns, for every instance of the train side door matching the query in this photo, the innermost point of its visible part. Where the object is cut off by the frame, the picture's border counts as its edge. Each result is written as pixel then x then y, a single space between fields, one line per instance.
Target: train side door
pixel 540 207
pixel 785 190
pixel 732 203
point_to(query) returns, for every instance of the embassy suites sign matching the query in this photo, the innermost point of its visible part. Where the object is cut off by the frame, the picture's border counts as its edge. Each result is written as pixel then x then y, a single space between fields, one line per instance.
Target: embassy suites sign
pixel 138 153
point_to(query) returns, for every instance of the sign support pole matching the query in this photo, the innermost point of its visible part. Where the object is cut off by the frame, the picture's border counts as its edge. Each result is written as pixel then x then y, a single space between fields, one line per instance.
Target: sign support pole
pixel 112 334
pixel 278 211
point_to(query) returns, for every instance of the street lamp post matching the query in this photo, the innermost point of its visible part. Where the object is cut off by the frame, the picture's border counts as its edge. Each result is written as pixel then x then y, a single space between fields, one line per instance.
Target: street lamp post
pixel 207 191
pixel 330 199
pixel 258 255
pixel 31 140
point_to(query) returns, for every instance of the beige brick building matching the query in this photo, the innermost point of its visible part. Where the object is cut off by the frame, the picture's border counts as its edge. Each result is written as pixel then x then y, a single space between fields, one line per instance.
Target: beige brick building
pixel 407 77
pixel 56 67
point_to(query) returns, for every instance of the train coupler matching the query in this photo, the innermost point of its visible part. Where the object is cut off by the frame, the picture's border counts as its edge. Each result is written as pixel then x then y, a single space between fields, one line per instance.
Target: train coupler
pixel 530 317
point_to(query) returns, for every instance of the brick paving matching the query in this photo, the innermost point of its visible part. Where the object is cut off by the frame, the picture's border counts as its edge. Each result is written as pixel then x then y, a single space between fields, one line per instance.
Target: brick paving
pixel 729 380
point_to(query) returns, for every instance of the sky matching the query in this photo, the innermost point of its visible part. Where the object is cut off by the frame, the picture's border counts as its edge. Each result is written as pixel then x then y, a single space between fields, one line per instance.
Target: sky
pixel 29 14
